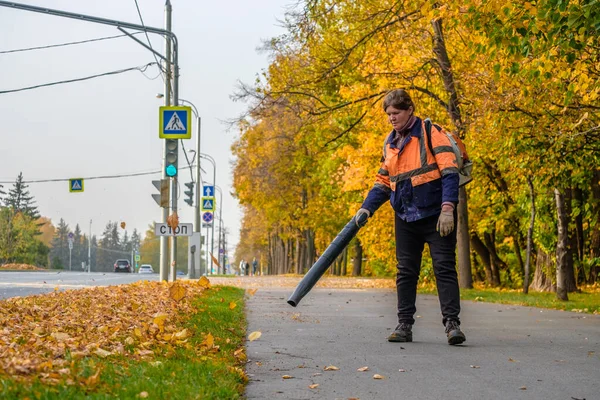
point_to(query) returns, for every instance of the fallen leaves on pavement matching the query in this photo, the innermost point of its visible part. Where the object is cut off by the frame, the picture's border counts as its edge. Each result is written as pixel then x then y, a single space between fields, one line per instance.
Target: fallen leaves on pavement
pixel 363 369
pixel 254 336
pixel 377 376
pixel 40 335
pixel 331 368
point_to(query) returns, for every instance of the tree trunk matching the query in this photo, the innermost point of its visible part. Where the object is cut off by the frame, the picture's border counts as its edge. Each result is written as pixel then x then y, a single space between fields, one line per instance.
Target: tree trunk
pixel 561 247
pixel 571 280
pixel 542 278
pixel 529 237
pixel 464 251
pixel 357 262
pixel 495 262
pixel 484 255
pixel 345 262
pixel 595 228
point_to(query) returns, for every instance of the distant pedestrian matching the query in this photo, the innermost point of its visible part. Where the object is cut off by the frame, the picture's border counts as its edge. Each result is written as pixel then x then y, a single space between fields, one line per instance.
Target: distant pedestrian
pixel 242 266
pixel 247 268
pixel 254 266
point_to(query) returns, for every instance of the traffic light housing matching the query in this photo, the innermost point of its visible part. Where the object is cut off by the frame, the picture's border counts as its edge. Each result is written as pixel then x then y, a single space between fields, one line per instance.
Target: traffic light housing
pixel 162 199
pixel 171 157
pixel 190 194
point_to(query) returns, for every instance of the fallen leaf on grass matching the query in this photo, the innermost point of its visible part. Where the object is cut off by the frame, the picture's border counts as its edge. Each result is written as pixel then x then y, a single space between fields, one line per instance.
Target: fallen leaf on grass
pixel 177 292
pixel 331 368
pixel 143 395
pixel 209 341
pixel 204 282
pixel 232 305
pixel 363 369
pixel 60 336
pixel 254 336
pixel 102 353
pixel 287 377
pixel 313 386
pixel 377 376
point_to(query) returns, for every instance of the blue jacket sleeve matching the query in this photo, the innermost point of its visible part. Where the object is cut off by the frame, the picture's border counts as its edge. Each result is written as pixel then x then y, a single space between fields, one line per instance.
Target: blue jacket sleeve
pixel 378 195
pixel 450 188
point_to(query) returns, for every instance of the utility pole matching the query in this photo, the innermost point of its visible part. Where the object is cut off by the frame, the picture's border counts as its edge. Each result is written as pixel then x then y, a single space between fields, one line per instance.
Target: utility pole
pixel 164 244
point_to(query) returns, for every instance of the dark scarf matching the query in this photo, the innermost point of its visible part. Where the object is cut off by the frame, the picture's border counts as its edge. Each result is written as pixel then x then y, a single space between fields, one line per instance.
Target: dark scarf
pixel 404 131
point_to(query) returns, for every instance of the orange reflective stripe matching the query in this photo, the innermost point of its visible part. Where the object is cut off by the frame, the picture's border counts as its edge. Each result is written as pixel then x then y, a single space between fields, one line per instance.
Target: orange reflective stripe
pixel 425 178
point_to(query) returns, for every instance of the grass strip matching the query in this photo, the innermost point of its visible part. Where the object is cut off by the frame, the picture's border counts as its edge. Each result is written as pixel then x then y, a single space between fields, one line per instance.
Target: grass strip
pixel 209 363
pixel 587 301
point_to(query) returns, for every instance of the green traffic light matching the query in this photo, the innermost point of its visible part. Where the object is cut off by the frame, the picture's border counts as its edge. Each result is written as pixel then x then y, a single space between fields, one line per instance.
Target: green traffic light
pixel 171 170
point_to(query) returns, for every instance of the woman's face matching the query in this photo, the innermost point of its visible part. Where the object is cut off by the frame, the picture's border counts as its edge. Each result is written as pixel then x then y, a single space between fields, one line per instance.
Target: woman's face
pixel 398 118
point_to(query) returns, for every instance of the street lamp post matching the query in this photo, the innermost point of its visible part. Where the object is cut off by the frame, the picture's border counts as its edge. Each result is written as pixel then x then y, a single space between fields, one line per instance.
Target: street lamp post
pixel 212 160
pixel 220 225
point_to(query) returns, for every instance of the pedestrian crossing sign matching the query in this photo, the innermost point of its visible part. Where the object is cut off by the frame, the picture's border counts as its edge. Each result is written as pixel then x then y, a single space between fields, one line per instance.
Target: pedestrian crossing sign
pixel 76 185
pixel 208 204
pixel 175 122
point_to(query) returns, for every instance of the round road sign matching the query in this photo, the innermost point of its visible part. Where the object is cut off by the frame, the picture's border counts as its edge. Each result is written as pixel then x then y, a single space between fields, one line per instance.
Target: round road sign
pixel 207 217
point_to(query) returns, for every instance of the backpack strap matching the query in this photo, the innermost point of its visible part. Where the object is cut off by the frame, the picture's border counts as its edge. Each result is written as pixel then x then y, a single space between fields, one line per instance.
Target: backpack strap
pixel 387 138
pixel 428 124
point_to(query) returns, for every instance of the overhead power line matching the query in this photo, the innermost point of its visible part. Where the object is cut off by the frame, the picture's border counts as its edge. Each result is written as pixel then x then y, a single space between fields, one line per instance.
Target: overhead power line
pixel 116 176
pixel 148 38
pixel 142 69
pixel 65 44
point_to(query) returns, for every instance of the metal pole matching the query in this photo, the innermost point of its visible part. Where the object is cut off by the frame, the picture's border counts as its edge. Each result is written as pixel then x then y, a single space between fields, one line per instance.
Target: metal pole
pixel 70 250
pixel 164 244
pixel 220 225
pixel 208 272
pixel 90 249
pixel 132 264
pixel 197 224
pixel 172 56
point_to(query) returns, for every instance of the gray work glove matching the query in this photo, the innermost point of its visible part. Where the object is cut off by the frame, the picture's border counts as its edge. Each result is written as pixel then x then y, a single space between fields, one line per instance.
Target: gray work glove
pixel 358 215
pixel 445 224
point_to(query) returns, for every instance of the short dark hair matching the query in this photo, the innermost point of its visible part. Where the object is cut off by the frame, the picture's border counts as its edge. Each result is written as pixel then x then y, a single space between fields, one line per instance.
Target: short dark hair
pixel 398 98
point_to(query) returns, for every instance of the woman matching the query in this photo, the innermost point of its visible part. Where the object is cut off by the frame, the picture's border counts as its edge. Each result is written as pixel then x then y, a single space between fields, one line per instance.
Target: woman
pixel 422 187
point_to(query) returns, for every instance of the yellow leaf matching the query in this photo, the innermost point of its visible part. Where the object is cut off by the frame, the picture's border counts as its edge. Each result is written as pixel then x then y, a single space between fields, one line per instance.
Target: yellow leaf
pixel 159 319
pixel 60 336
pixel 287 377
pixel 209 341
pixel 232 305
pixel 363 369
pixel 137 332
pixel 177 292
pixel 102 353
pixel 331 368
pixel 251 292
pixel 182 334
pixel 313 386
pixel 204 282
pixel 129 340
pixel 377 376
pixel 254 336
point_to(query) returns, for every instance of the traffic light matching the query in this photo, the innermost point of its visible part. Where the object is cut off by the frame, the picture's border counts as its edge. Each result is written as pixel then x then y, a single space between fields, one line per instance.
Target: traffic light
pixel 172 152
pixel 190 193
pixel 162 199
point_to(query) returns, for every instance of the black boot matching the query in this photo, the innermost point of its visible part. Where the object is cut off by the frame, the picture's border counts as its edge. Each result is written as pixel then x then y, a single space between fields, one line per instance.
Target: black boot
pixel 402 333
pixel 455 335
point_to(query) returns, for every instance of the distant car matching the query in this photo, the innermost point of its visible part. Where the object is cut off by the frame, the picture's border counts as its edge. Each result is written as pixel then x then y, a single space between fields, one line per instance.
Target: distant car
pixel 146 269
pixel 123 266
pixel 181 273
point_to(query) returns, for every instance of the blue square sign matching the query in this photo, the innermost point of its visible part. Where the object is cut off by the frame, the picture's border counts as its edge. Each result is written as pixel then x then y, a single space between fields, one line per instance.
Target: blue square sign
pixel 175 122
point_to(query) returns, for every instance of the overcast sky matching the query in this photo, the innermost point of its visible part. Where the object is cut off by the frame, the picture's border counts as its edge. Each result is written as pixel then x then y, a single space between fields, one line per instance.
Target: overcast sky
pixel 109 125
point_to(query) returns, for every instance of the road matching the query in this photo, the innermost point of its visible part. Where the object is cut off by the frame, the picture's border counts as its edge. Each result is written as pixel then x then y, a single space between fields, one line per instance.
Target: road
pixel 511 352
pixel 25 283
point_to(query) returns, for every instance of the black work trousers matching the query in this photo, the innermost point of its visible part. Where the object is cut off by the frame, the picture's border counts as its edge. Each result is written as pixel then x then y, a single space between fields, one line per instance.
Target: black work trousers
pixel 410 241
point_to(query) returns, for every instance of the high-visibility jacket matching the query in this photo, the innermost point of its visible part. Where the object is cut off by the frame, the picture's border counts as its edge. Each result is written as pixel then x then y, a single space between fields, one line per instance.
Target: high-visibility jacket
pixel 415 181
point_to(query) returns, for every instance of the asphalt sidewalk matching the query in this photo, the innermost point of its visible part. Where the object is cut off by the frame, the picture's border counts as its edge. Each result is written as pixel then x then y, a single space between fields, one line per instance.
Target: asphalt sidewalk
pixel 511 352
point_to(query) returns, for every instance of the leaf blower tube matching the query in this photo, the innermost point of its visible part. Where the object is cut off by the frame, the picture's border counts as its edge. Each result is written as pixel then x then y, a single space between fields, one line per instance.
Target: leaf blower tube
pixel 327 258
